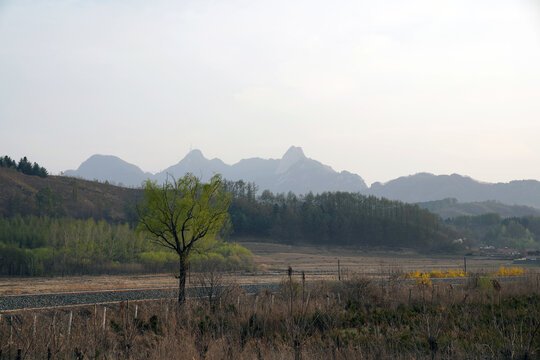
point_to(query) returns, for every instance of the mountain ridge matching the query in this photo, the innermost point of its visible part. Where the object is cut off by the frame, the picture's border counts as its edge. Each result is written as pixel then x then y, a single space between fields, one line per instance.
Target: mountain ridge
pixel 424 187
pixel 293 172
pixel 300 174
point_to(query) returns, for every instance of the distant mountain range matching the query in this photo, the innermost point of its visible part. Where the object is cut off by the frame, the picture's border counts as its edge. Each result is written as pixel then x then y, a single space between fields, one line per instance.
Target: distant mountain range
pixel 424 187
pixel 297 173
pixel 293 172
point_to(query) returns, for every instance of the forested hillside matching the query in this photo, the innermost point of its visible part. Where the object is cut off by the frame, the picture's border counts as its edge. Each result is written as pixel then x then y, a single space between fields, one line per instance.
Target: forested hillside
pixel 494 230
pixel 58 225
pixel 331 218
pixel 338 218
pixel 61 225
pixel 451 208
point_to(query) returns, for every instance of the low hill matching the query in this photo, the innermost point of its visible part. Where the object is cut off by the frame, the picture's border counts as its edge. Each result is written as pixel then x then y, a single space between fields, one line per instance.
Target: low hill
pixel 59 195
pixel 451 208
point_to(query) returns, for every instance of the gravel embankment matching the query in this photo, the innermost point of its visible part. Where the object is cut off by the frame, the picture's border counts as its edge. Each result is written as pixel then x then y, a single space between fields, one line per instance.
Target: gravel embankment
pixel 19 302
pixel 22 302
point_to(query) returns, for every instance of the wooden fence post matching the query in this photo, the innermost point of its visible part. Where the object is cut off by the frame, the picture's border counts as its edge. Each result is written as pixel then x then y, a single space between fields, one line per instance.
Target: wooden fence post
pixel 34 325
pixel 10 331
pixel 104 317
pixel 166 313
pixel 70 318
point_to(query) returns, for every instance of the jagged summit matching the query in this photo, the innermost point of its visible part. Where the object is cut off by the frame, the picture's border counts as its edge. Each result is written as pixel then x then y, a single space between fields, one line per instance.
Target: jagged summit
pixel 293 172
pixel 194 154
pixel 292 156
pixel 297 173
pixel 294 152
pixel 194 158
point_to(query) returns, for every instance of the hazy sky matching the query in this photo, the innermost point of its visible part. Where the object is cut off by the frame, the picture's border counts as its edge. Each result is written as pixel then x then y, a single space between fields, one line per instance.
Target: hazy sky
pixel 381 88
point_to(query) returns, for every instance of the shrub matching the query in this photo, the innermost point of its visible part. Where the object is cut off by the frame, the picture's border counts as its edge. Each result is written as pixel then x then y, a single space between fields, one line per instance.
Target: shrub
pixel 511 271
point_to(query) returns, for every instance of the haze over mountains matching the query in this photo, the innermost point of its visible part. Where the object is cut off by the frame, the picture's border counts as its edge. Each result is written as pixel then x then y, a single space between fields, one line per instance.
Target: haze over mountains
pixel 297 173
pixel 293 172
pixel 424 187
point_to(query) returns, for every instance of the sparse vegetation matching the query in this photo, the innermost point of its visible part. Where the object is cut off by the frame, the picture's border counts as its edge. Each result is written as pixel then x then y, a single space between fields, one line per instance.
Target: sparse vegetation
pixel 354 319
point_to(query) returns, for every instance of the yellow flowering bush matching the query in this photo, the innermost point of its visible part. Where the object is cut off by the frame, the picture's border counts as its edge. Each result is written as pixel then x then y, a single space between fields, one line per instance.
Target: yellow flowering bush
pixel 511 271
pixel 424 280
pixel 449 273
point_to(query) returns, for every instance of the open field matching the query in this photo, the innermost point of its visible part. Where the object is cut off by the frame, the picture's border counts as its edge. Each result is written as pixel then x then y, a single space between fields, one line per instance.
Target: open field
pixel 272 262
pixel 359 318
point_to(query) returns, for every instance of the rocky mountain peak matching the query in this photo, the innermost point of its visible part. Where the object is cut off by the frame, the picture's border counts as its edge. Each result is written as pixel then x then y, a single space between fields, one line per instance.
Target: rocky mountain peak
pixel 292 156
pixel 195 155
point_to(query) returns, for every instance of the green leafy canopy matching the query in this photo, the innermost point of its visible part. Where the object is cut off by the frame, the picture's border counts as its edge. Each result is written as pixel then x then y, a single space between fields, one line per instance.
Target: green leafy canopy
pixel 180 213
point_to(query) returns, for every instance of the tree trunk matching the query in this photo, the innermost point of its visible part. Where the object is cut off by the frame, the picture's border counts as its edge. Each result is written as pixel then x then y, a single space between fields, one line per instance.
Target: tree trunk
pixel 297 349
pixel 182 279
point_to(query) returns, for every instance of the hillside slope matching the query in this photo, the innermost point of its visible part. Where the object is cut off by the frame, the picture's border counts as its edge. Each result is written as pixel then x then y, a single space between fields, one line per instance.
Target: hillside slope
pixel 451 208
pixel 59 195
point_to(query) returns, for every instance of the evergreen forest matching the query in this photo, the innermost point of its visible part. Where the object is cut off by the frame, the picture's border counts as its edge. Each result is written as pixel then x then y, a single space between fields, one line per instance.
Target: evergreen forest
pixel 336 218
pixel 24 166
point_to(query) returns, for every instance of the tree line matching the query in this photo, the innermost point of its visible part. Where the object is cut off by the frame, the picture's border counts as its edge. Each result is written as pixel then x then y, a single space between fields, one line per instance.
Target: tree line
pixel 335 218
pixel 493 230
pixel 24 166
pixel 50 241
pixel 32 245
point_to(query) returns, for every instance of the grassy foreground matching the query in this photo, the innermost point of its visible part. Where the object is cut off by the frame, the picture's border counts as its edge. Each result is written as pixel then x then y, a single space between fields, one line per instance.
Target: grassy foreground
pixel 354 319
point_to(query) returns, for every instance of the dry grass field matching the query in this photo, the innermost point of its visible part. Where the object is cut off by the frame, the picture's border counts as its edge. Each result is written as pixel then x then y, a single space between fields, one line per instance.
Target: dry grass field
pixel 272 261
pixel 358 318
